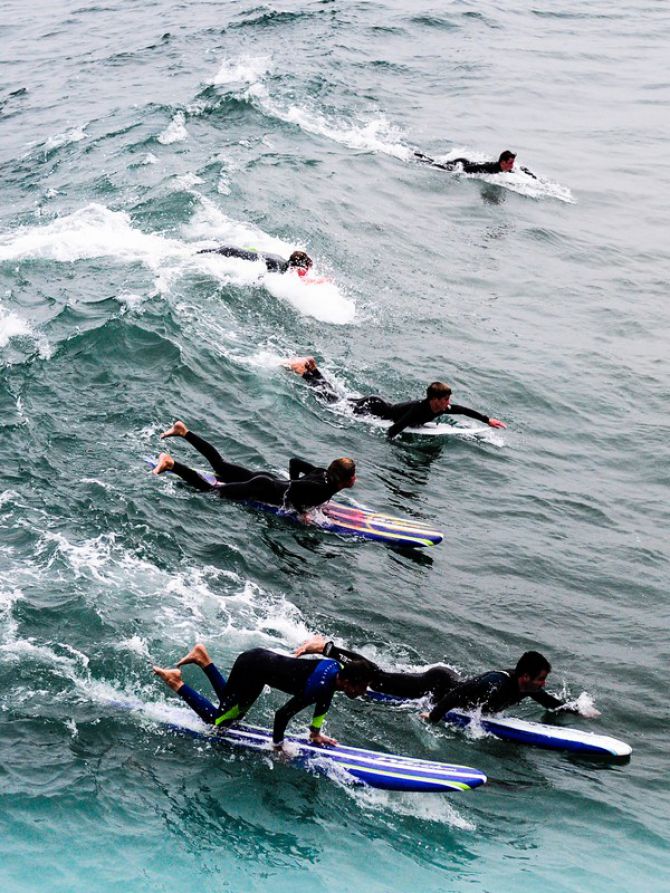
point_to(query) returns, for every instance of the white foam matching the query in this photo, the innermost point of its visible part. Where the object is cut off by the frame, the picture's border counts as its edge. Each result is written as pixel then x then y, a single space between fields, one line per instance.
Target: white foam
pixel 91 231
pixel 149 158
pixel 130 300
pixel 74 135
pixel 12 326
pixel 175 132
pixel 417 805
pixel 321 300
pixel 374 135
pixel 246 70
pixel 187 181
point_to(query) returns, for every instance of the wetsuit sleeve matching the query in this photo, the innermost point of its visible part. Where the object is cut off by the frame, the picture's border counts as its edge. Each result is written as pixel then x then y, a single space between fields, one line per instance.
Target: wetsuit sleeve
pixel 322 385
pixel 297 467
pixel 549 701
pixel 286 713
pixel 454 409
pixel 467 694
pixel 320 709
pixel 415 415
pixel 342 656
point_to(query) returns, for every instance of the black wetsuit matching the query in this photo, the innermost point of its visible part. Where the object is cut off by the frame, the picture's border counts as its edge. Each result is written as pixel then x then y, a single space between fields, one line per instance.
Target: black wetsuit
pixel 493 691
pixel 273 262
pixel 436 681
pixel 309 681
pixel 410 414
pixel 308 487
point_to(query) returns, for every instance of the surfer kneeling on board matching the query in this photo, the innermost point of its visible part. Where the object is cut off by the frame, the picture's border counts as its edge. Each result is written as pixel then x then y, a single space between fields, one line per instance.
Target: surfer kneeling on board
pixel 491 692
pixel 309 682
pixel 504 164
pixel 410 414
pixel 309 486
pixel 298 262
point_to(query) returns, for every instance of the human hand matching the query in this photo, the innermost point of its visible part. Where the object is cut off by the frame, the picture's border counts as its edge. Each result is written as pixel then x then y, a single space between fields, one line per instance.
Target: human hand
pixel 315 645
pixel 496 423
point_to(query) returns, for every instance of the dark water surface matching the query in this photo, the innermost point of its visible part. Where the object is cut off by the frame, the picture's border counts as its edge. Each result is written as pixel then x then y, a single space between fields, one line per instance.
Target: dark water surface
pixel 133 134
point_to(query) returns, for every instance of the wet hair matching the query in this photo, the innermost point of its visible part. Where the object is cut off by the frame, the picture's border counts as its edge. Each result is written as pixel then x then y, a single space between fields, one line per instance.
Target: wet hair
pixel 358 672
pixel 437 390
pixel 341 470
pixel 300 259
pixel 507 156
pixel 310 364
pixel 532 663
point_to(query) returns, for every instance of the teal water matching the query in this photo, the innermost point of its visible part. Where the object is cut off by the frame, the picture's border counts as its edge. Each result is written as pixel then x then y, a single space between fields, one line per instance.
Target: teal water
pixel 132 134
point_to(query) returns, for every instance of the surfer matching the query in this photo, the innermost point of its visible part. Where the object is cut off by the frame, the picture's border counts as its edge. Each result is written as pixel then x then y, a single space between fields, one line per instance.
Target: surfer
pixel 410 414
pixel 308 487
pixel 298 262
pixel 491 692
pixel 309 682
pixel 504 164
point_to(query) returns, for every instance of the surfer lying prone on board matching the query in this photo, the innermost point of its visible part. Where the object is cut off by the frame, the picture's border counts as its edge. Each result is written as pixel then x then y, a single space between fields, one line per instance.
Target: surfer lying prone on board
pixel 309 682
pixel 308 487
pixel 504 164
pixel 410 414
pixel 490 692
pixel 298 262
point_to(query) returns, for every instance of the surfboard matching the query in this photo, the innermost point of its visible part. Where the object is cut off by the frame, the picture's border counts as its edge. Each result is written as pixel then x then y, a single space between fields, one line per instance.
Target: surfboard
pixel 537 734
pixel 345 520
pixel 361 766
pixel 430 429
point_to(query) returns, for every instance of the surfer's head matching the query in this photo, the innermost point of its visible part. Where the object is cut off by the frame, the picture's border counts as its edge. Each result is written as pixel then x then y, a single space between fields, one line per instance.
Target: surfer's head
pixel 342 472
pixel 439 396
pixel 531 671
pixel 355 677
pixel 300 261
pixel 506 160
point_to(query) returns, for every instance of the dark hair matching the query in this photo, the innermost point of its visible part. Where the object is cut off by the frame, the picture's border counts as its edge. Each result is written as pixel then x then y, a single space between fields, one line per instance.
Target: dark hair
pixel 532 663
pixel 300 259
pixel 438 389
pixel 358 672
pixel 507 156
pixel 341 470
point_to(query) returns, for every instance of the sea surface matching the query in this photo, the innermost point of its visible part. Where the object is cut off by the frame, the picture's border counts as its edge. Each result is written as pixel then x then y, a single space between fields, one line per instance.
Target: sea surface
pixel 132 135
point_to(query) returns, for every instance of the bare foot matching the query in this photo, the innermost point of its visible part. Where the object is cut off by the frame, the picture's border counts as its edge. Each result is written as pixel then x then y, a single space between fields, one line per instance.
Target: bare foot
pixel 197 655
pixel 179 429
pixel 170 677
pixel 165 463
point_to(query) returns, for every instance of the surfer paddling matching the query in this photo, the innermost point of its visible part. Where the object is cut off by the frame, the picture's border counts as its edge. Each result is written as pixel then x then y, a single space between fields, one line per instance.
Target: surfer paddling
pixel 309 486
pixel 309 683
pixel 298 262
pixel 410 414
pixel 489 692
pixel 504 164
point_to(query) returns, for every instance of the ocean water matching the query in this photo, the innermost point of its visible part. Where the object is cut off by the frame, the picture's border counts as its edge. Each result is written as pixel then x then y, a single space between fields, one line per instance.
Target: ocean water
pixel 132 135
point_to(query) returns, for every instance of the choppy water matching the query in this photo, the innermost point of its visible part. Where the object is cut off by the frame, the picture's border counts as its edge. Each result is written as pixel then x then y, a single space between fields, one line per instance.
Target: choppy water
pixel 133 134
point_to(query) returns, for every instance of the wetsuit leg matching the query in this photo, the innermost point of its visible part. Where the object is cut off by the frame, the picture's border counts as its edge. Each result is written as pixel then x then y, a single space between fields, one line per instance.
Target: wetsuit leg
pixel 204 708
pixel 260 488
pixel 218 680
pixel 192 477
pixel 371 406
pixel 245 685
pixel 225 471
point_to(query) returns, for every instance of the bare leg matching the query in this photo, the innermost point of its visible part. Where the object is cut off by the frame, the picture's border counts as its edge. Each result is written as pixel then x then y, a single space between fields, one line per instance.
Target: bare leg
pixel 197 655
pixel 165 463
pixel 172 678
pixel 179 429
